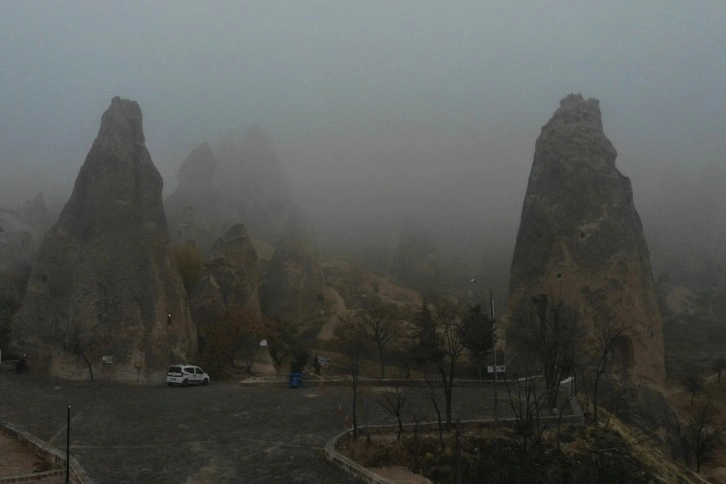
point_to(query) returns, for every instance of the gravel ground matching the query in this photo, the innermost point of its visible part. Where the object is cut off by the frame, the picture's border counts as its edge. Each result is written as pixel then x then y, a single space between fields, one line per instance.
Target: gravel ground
pixel 219 433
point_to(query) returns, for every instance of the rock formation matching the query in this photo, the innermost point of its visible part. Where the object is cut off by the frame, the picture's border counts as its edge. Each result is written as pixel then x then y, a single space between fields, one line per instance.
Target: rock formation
pixel 230 280
pixel 580 239
pixel 252 177
pixel 294 286
pixel 193 210
pixel 105 284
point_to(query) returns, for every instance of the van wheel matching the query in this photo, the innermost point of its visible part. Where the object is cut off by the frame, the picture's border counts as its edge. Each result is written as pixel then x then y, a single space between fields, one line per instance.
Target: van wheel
pixel 185 382
pixel 169 383
pixel 206 381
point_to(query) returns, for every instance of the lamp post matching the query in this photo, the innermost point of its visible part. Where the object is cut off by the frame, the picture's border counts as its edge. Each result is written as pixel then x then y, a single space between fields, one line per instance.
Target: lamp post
pixel 68 445
pixel 494 349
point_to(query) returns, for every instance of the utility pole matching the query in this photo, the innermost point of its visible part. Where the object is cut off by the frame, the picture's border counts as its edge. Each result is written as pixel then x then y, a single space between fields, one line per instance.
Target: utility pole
pixel 494 349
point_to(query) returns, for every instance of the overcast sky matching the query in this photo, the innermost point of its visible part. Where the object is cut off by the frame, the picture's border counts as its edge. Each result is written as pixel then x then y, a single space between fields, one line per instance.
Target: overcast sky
pixel 425 105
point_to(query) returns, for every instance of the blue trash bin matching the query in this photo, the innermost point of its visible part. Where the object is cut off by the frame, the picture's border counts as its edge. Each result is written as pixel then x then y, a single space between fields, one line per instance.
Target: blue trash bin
pixel 294 380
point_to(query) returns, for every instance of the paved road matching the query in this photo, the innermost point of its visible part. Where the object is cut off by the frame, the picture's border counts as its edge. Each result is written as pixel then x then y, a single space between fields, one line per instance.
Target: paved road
pixel 223 432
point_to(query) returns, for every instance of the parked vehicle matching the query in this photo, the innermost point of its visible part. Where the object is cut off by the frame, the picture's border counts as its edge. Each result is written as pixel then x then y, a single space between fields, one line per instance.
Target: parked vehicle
pixel 186 375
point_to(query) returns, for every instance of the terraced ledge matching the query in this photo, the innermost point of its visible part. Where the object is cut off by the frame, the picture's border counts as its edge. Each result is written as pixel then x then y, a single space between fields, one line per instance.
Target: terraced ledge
pixel 351 467
pixel 50 454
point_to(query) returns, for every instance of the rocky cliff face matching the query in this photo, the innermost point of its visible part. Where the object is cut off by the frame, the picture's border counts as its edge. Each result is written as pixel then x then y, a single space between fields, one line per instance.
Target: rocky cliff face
pixel 105 283
pixel 230 280
pixel 193 210
pixel 580 238
pixel 294 286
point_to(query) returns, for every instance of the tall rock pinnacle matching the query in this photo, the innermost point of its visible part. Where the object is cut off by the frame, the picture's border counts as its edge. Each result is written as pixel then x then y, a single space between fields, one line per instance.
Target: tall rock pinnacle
pixel 580 239
pixel 105 283
pixel 194 209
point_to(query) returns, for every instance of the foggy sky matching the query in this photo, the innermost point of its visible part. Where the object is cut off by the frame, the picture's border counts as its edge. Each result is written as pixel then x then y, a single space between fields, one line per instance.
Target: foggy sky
pixel 373 107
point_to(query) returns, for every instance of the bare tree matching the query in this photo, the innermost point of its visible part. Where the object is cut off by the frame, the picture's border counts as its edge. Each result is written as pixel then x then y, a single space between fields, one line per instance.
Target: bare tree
pixel 599 353
pixel 549 332
pixel 350 340
pixel 702 433
pixel 238 331
pixel 417 415
pixel 433 398
pixel 76 341
pixel 378 322
pixel 394 402
pixel 526 403
pixel 692 384
pixel 526 400
pixel 280 336
pixel 439 342
pixel 719 365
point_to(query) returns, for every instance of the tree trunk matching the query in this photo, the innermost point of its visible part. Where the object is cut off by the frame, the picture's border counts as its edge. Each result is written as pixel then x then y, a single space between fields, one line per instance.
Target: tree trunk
pixel 90 367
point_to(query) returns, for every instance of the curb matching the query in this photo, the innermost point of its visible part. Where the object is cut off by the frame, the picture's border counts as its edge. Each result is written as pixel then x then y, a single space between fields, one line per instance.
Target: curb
pixel 313 382
pixel 349 465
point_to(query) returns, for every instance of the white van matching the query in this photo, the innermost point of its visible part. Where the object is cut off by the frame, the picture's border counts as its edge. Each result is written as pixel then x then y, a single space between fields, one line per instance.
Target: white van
pixel 186 375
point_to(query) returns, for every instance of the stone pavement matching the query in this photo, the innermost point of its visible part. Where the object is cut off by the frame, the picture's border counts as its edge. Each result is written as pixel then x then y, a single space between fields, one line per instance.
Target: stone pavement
pixel 223 432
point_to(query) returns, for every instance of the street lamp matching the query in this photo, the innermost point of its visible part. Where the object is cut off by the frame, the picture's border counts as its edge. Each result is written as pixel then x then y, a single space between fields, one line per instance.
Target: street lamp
pixel 494 349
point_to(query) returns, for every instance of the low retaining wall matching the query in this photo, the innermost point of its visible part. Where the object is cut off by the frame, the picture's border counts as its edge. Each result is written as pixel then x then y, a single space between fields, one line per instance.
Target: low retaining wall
pixel 49 454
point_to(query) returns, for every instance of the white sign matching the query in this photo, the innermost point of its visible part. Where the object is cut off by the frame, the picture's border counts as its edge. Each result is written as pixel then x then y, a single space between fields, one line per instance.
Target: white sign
pixel 500 369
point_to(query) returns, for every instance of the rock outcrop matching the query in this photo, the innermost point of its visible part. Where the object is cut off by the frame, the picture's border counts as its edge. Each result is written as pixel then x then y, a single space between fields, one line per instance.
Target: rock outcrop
pixel 252 178
pixel 193 210
pixel 581 241
pixel 294 285
pixel 105 284
pixel 230 280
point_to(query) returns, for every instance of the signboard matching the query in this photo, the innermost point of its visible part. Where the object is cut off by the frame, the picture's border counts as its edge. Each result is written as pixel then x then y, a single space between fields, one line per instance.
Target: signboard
pixel 500 369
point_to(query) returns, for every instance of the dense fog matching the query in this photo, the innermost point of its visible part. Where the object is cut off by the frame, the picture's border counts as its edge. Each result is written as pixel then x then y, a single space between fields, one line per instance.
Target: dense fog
pixel 378 112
